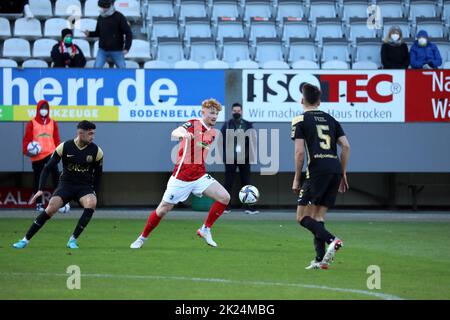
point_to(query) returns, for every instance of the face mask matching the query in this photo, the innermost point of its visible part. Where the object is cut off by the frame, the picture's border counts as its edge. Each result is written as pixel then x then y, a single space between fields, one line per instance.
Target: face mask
pixel 236 116
pixel 395 36
pixel 422 42
pixel 43 112
pixel 68 41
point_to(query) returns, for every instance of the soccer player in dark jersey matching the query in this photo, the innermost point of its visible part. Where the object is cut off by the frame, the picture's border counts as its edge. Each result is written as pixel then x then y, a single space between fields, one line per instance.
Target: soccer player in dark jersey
pixel 320 134
pixel 189 175
pixel 82 167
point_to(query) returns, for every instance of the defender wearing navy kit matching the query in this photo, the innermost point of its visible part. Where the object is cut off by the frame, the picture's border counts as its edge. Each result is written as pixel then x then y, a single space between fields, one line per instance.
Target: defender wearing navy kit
pixel 317 134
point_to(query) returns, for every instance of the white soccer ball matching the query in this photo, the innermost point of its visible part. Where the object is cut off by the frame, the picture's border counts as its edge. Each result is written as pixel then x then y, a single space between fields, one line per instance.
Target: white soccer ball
pixel 34 148
pixel 249 194
pixel 65 208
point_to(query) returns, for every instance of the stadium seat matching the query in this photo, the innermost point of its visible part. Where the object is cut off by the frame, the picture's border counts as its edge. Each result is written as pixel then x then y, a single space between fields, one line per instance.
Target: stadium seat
pixel 53 27
pixel 164 27
pixel 235 49
pixel 444 47
pixel 17 48
pixel 355 9
pixel 335 65
pixel 305 64
pixel 129 8
pixel 139 51
pixel 5 28
pixel 186 64
pixel 432 26
pixel 42 48
pixel 257 8
pixel 295 27
pixel 197 27
pixel 323 9
pixel 275 64
pixel 335 49
pixel 245 64
pixel 328 27
pixel 364 65
pixel 390 8
pixel 446 65
pixel 130 64
pixel 156 64
pixel 82 25
pixel 169 50
pixel 27 28
pixel 41 8
pixel 402 23
pixel 91 63
pixel 422 8
pixel 91 9
pixel 192 8
pixel 358 29
pixel 202 50
pixel 268 49
pixel 368 50
pixel 216 64
pixel 8 63
pixel 84 46
pixel 262 28
pixel 224 8
pixel 289 9
pixel 302 49
pixel 160 8
pixel 34 63
pixel 446 12
pixel 229 28
pixel 67 8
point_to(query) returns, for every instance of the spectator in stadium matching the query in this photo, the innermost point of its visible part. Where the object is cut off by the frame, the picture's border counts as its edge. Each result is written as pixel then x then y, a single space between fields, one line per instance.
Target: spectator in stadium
pixel 424 54
pixel 242 144
pixel 112 27
pixel 16 7
pixel 66 54
pixel 394 51
pixel 45 131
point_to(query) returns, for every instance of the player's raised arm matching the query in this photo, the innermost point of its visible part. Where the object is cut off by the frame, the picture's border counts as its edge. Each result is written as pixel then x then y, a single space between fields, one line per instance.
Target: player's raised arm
pixel 54 160
pixel 181 132
pixel 345 155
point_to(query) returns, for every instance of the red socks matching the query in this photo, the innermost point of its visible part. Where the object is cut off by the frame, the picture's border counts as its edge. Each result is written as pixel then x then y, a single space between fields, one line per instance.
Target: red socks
pixel 152 223
pixel 214 213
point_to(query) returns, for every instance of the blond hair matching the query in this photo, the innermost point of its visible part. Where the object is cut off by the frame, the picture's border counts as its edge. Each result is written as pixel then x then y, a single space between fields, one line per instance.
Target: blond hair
pixel 212 103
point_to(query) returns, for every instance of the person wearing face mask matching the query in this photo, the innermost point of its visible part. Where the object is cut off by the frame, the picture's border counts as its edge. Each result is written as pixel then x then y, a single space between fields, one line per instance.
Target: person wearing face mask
pixel 114 35
pixel 66 54
pixel 424 54
pixel 394 51
pixel 238 138
pixel 44 130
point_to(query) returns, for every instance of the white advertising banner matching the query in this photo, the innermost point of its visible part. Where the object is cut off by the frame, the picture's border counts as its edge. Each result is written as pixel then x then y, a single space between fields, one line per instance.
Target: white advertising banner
pixel 348 95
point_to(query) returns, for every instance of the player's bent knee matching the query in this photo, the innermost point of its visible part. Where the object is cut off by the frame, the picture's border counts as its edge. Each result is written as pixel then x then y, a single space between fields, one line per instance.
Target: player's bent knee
pixel 226 198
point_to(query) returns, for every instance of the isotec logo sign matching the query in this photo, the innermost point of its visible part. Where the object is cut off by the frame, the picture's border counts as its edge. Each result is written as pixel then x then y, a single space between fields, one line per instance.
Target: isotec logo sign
pixel 350 96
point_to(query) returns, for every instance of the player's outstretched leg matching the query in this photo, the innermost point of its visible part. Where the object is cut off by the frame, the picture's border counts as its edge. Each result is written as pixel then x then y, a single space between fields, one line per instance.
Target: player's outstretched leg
pixel 53 206
pixel 89 202
pixel 152 222
pixel 221 196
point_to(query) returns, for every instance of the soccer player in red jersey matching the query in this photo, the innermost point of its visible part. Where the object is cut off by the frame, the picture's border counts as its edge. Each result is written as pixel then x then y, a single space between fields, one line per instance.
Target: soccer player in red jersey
pixel 189 175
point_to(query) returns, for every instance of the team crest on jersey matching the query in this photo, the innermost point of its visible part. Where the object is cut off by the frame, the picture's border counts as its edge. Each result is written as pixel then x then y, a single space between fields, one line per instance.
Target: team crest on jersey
pixel 89 159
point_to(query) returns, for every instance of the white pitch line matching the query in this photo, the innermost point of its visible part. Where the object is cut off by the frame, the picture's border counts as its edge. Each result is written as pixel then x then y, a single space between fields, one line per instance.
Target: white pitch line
pixel 380 295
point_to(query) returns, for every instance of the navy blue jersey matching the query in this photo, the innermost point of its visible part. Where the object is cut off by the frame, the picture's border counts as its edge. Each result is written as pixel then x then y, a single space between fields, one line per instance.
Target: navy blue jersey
pixel 320 132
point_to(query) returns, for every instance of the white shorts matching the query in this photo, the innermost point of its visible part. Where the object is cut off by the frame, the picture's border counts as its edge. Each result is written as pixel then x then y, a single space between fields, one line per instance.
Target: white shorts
pixel 179 190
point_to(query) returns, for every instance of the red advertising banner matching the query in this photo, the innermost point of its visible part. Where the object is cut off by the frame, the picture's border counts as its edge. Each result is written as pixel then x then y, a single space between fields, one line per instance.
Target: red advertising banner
pixel 19 197
pixel 427 96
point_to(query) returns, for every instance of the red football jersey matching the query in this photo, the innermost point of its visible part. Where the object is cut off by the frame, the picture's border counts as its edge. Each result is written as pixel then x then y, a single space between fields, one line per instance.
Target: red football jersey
pixel 190 164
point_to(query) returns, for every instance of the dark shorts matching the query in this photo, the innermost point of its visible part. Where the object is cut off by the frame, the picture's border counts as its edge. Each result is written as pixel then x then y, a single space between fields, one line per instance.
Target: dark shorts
pixel 320 190
pixel 69 192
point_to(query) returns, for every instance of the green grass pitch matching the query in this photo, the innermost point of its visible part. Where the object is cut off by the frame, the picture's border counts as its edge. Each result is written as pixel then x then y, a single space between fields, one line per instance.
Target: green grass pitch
pixel 255 260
